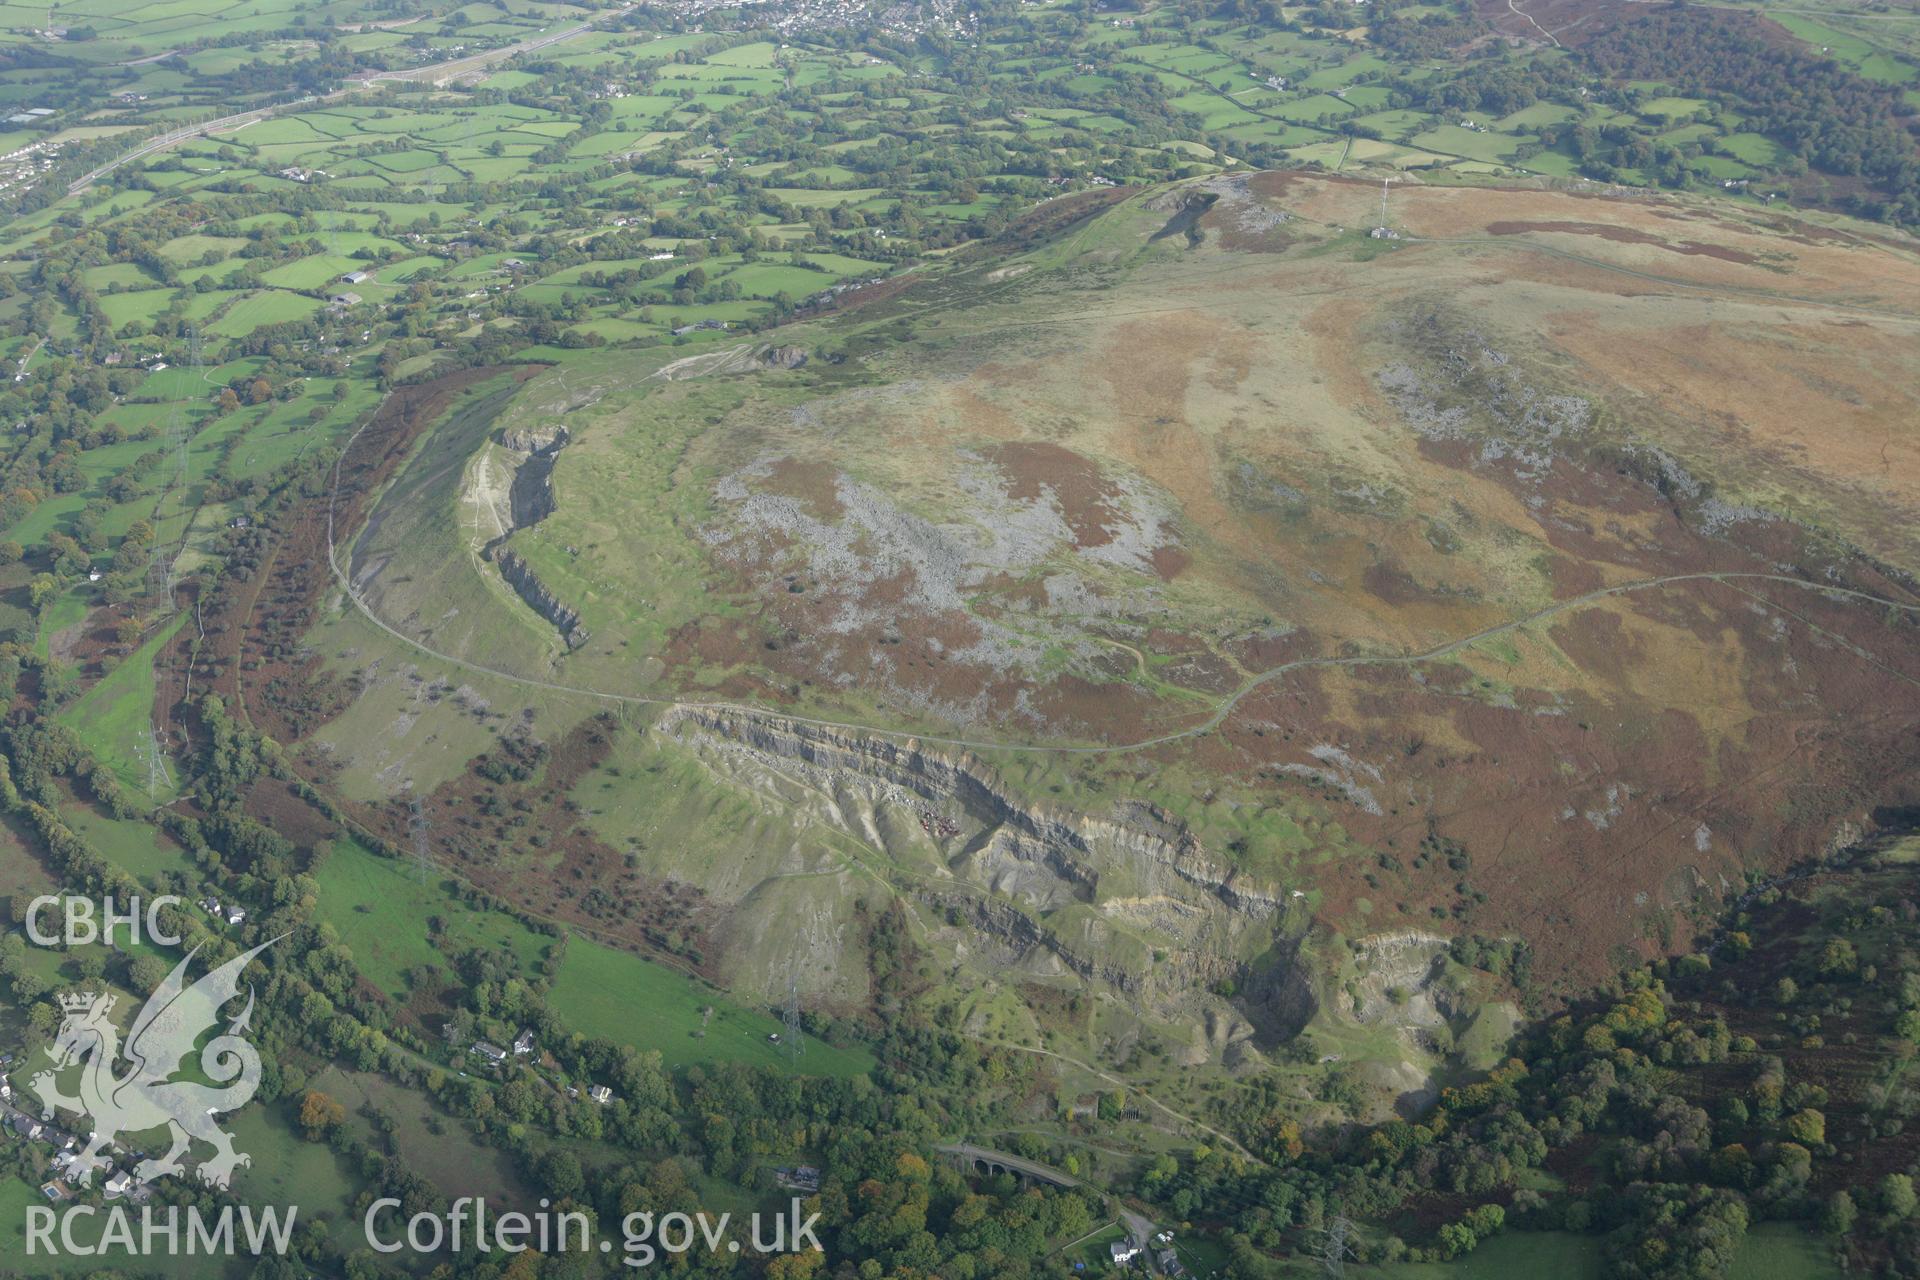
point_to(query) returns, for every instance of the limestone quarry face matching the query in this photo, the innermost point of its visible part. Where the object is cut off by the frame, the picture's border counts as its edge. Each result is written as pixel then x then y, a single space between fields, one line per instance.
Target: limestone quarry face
pixel 542 601
pixel 1397 982
pixel 1027 888
pixel 1124 903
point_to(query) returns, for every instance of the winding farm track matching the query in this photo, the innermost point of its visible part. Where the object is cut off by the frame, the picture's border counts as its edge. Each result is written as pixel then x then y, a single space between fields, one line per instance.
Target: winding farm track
pixel 1535 21
pixel 1223 709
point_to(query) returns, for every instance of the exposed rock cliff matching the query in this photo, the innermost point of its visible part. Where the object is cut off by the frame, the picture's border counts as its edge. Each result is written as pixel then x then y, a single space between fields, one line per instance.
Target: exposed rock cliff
pixel 1129 900
pixel 1397 981
pixel 530 498
pixel 543 602
pixel 1039 854
pixel 542 437
pixel 531 493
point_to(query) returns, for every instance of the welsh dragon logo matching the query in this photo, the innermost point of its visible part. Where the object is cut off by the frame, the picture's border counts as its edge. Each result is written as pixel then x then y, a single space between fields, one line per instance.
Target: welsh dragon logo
pixel 145 1097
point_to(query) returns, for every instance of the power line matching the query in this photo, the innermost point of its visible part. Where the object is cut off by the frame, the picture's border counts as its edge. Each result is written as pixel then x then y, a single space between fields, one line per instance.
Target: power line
pixel 159 777
pixel 791 1038
pixel 179 440
pixel 1334 1246
pixel 422 849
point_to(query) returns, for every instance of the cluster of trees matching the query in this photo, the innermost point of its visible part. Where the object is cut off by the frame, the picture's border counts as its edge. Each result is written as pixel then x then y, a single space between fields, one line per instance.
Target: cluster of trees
pixel 1690 1088
pixel 1424 36
pixel 1823 112
pixel 1488 87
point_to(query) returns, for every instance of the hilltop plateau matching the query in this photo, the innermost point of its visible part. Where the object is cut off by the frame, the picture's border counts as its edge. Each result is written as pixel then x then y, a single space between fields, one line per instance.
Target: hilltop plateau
pixel 1219 599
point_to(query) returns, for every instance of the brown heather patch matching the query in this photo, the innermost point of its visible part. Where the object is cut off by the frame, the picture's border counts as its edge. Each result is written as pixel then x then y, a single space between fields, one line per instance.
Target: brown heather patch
pixel 576 878
pixel 813 484
pixel 1571 578
pixel 1148 367
pixel 1035 468
pixel 253 654
pixel 1336 328
pixel 980 416
pixel 1260 652
pixel 272 802
pixel 1836 401
pixel 1170 562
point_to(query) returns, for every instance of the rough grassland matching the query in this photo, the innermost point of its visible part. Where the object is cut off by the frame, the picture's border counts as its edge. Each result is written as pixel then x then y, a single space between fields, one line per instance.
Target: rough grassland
pixel 618 996
pixel 380 909
pixel 113 718
pixel 1349 556
pixel 432 1142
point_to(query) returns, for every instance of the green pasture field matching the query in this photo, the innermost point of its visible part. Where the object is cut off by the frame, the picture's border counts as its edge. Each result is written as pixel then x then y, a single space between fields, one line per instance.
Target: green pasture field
pixel 47 515
pixel 1720 167
pixel 1754 149
pixel 1672 107
pixel 191 248
pixel 806 198
pixel 408 269
pixel 317 271
pixel 125 274
pixel 615 329
pixel 271 306
pixel 286 430
pixel 1866 58
pixel 1536 116
pixel 406 162
pixel 141 308
pixel 1555 164
pixel 289 1170
pixel 765 279
pixel 133 845
pixel 112 719
pixel 1451 139
pixel 1396 123
pixel 436 1144
pixel 380 909
pixel 69 609
pixel 760 54
pixel 617 996
pixel 1307 110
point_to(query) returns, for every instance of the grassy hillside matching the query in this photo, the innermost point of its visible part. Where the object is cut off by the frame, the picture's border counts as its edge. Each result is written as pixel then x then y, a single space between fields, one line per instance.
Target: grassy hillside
pixel 620 997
